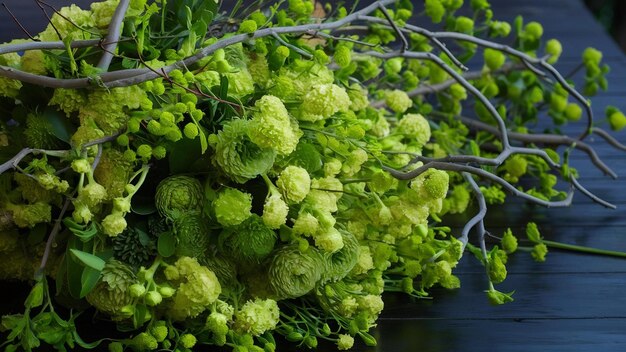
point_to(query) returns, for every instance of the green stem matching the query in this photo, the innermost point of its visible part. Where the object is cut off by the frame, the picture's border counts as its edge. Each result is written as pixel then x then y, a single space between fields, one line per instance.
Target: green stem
pixel 583 249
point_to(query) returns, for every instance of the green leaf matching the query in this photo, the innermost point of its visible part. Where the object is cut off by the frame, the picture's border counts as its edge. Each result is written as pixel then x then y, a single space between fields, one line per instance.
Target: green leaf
pixel 61 125
pixel 89 259
pixel 83 232
pixel 141 313
pixel 166 244
pixel 35 297
pixel 89 280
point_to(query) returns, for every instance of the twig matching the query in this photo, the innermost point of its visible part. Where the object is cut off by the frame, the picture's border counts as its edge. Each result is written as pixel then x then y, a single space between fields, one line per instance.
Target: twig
pixel 482 210
pixel 110 42
pixel 609 139
pixel 550 139
pixel 18 22
pixel 55 230
pixel 435 88
pixel 483 174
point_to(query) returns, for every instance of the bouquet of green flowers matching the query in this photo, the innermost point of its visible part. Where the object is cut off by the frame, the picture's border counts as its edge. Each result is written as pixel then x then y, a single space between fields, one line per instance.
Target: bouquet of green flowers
pixel 202 176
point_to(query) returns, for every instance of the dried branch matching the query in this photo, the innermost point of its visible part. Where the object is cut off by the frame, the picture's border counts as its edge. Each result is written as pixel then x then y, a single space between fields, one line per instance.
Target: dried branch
pixel 482 211
pixel 110 42
pixel 19 24
pixel 549 139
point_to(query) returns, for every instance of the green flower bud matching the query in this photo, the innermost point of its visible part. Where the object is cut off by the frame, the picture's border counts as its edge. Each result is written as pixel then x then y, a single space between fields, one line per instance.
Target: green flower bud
pixel 494 59
pixel 159 152
pixel 554 49
pixel 137 290
pixel 122 140
pixel 133 125
pixel 121 204
pixel 81 166
pixel 191 130
pixel 144 151
pixel 188 340
pixel 159 332
pixel 248 26
pixel 533 30
pixel 153 298
pixel 166 291
pixel 617 120
pixel 130 155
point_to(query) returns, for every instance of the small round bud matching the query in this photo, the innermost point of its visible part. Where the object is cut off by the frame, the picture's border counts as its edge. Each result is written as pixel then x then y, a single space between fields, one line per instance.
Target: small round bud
pixel 133 125
pixel 153 298
pixel 122 140
pixel 534 30
pixel 248 26
pixel 159 152
pixel 166 291
pixel 191 130
pixel 81 166
pixel 137 290
pixel 130 155
pixel 144 151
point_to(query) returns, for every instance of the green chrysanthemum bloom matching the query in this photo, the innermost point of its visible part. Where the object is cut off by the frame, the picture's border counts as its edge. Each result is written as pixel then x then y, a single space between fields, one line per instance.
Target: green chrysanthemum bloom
pixel 257 316
pixel 414 126
pixel 178 194
pixel 113 172
pixel 197 289
pixel 358 97
pixel 10 87
pixel 340 263
pixel 295 183
pixel 271 126
pixel 251 241
pixel 237 155
pixel 293 273
pixel 323 101
pixel 68 100
pixel 232 207
pixel 275 211
pixel 109 108
pixel 29 215
pixel 59 25
pixel 112 293
pixel 398 101
pixel 193 233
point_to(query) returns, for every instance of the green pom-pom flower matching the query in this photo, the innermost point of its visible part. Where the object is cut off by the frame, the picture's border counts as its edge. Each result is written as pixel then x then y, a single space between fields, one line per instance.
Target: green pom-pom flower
pixel 178 194
pixel 271 127
pixel 294 183
pixel 293 273
pixel 112 293
pixel 237 155
pixel 251 241
pixel 232 207
pixel 192 232
pixel 340 263
pixel 257 316
pixel 398 100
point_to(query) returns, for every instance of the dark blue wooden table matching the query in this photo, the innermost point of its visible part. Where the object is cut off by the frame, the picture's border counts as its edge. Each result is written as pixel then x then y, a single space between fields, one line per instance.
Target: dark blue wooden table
pixel 572 302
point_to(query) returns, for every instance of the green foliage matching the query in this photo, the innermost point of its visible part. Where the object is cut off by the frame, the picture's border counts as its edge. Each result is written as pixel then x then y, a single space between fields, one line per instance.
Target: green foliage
pixel 165 218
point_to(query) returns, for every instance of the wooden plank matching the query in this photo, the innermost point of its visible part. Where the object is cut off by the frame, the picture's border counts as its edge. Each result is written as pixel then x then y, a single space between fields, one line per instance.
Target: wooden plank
pixel 502 335
pixel 537 295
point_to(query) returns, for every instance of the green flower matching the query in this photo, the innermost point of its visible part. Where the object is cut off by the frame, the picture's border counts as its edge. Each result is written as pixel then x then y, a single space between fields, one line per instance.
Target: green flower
pixel 232 207
pixel 178 194
pixel 112 293
pixel 293 273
